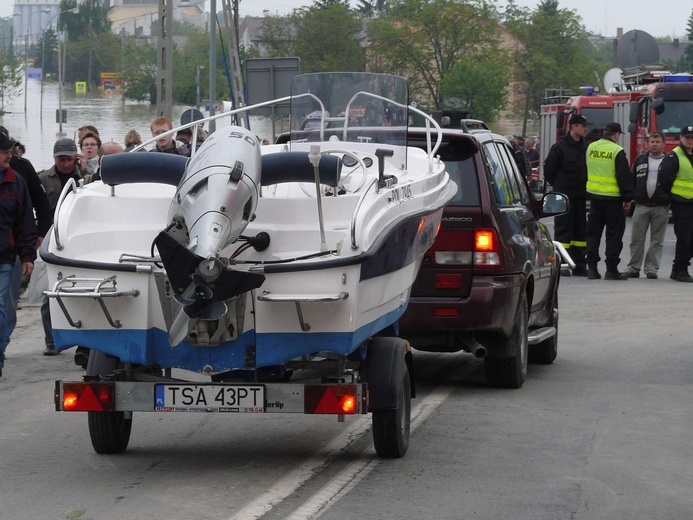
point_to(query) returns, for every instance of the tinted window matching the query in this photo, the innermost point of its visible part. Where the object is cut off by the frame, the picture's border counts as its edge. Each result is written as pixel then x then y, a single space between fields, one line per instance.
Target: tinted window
pixel 518 185
pixel 458 157
pixel 501 184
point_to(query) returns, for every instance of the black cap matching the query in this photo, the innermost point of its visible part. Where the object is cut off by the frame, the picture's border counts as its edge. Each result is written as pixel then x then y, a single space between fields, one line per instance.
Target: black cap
pixel 577 119
pixel 687 130
pixel 613 128
pixel 6 143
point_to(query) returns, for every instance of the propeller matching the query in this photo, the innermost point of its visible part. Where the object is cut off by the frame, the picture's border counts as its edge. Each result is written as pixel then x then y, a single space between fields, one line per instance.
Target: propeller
pixel 202 305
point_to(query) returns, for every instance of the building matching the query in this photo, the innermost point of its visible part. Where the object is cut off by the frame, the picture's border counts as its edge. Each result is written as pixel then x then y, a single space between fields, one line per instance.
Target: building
pixel 31 18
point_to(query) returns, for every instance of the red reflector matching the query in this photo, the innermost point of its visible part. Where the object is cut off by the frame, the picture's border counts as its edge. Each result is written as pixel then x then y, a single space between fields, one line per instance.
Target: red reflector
pixel 448 281
pixel 330 399
pixel 88 397
pixel 445 312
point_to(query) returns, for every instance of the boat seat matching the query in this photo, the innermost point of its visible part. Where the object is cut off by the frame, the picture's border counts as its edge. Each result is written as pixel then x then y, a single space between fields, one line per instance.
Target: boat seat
pixel 127 168
pixel 295 167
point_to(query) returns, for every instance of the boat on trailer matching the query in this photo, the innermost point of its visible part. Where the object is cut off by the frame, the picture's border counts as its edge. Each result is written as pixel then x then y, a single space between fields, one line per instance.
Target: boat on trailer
pixel 249 278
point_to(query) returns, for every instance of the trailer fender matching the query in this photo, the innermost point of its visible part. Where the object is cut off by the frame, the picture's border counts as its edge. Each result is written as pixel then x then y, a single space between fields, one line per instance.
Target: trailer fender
pixel 382 370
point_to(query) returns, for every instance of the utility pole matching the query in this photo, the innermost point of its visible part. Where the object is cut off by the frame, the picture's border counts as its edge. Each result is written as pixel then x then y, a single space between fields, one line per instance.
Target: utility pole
pixel 212 62
pixel 231 26
pixel 164 60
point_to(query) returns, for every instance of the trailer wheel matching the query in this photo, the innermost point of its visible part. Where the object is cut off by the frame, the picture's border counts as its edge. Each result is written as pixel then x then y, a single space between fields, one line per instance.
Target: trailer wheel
pixel 391 427
pixel 109 431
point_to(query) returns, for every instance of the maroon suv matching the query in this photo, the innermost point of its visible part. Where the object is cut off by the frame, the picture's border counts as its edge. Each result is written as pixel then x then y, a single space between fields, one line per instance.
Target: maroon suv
pixel 489 283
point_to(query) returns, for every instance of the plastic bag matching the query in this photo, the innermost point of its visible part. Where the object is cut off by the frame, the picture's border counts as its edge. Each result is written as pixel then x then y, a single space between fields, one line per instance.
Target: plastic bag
pixel 37 283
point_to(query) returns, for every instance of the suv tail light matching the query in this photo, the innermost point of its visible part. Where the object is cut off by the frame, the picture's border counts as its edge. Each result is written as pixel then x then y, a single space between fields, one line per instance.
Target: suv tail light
pixel 467 247
pixel 486 251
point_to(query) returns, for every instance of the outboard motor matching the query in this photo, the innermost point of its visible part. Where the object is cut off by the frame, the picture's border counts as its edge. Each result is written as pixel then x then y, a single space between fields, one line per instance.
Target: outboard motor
pixel 215 200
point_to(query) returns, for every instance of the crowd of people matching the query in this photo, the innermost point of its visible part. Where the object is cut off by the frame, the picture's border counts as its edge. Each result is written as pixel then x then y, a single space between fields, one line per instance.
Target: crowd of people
pixel 656 184
pixel 28 199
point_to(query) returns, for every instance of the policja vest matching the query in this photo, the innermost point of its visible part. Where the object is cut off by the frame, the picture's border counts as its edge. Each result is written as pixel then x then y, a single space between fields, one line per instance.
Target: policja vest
pixel 601 168
pixel 683 183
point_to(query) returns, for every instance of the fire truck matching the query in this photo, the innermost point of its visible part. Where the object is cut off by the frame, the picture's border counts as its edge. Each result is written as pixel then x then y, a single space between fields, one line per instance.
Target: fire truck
pixel 663 102
pixel 648 99
pixel 597 108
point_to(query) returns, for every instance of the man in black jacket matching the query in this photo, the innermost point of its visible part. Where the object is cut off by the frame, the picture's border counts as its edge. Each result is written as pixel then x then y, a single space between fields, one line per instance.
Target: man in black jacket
pixel 17 233
pixel 565 170
pixel 651 210
pixel 44 220
pixel 676 177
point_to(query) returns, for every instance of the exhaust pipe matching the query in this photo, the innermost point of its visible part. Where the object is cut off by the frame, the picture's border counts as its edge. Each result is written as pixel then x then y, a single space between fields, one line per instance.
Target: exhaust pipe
pixel 475 348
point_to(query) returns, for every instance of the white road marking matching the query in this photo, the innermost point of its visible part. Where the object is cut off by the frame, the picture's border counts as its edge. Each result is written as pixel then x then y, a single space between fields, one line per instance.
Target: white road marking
pixel 342 483
pixel 360 469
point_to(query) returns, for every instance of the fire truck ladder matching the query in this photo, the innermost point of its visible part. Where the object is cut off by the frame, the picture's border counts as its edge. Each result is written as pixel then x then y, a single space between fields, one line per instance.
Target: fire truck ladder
pixel 231 27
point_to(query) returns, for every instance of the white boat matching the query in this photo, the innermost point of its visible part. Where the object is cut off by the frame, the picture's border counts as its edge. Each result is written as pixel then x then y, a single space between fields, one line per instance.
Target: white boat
pixel 247 259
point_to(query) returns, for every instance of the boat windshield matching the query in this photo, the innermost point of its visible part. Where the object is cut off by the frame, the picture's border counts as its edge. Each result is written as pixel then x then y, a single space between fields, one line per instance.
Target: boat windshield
pixel 350 107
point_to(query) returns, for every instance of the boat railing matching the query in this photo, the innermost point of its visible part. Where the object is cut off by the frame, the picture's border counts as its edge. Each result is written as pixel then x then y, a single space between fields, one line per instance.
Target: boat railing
pixel 354 215
pixel 69 186
pixel 229 114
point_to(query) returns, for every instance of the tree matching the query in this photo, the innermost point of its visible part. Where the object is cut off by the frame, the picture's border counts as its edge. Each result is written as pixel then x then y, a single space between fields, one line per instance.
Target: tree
pixel 325 36
pixel 481 85
pixel 423 40
pixel 552 51
pixel 46 52
pixel 139 70
pixel 91 43
pixel 373 9
pixel 688 51
pixel 11 76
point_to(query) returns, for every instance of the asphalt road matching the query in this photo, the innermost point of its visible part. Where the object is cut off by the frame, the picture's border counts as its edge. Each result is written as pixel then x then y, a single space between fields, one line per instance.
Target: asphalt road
pixel 603 433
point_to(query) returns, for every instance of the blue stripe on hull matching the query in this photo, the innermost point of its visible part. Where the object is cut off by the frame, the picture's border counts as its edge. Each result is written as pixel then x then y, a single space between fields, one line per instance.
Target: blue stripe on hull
pixel 151 347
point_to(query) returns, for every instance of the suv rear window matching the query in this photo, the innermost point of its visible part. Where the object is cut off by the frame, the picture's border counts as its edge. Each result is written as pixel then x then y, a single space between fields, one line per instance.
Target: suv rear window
pixel 458 157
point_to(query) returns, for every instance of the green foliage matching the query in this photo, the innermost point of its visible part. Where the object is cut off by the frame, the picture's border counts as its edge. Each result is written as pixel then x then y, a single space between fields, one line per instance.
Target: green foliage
pixel 92 17
pixel 423 40
pixel 552 51
pixel 47 52
pixel 481 84
pixel 139 70
pixel 11 76
pixel 325 36
pixel 688 51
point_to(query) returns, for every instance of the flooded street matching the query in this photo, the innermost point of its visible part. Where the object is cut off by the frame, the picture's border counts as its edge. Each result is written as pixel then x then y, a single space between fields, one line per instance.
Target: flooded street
pixel 113 118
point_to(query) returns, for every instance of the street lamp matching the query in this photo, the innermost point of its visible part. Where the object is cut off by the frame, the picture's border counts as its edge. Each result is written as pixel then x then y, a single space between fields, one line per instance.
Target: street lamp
pixel 26 50
pixel 74 10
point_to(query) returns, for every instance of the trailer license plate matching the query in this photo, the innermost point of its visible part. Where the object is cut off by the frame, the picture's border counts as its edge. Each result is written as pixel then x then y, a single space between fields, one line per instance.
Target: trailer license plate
pixel 210 398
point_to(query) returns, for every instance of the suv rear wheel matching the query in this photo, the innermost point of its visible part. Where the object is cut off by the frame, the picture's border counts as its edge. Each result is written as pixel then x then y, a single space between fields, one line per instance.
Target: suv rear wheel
pixel 511 371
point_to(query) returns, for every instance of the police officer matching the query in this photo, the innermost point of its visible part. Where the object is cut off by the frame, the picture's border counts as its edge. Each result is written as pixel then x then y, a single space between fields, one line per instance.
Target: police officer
pixel 610 187
pixel 565 170
pixel 676 177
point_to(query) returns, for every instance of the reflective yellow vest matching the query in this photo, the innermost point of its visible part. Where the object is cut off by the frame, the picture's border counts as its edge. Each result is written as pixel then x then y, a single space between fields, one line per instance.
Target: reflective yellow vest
pixel 601 168
pixel 683 183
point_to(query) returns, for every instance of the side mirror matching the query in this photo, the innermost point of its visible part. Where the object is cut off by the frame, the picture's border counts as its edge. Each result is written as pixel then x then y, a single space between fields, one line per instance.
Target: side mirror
pixel 554 204
pixel 658 106
pixel 632 128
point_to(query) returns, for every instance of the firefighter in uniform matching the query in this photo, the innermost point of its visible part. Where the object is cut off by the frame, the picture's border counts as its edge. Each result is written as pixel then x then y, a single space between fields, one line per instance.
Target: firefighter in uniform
pixel 610 186
pixel 676 177
pixel 565 170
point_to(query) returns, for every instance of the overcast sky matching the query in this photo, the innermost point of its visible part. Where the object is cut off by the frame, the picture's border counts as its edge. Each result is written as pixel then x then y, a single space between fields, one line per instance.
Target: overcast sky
pixel 663 18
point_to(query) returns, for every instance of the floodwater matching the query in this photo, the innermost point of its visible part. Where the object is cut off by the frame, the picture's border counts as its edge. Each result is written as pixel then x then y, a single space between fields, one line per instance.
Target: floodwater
pixel 38 130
